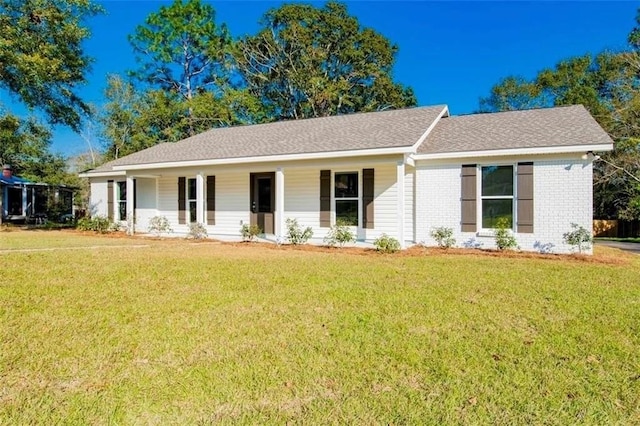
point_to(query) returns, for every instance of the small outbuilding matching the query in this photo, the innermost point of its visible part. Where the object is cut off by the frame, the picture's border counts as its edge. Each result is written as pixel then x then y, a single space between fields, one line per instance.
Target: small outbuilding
pixel 26 201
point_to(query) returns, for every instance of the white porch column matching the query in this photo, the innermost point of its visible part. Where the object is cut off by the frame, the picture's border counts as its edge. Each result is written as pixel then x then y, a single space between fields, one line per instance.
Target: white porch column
pixel 200 198
pixel 130 210
pixel 400 201
pixel 279 210
pixel 25 201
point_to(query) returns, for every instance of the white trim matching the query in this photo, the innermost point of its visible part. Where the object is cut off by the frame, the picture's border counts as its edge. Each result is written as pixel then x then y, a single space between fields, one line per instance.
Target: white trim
pixel 200 198
pixel 279 222
pixel 422 138
pixel 102 174
pixel 513 197
pixel 265 159
pixel 130 213
pixel 400 202
pixel 516 151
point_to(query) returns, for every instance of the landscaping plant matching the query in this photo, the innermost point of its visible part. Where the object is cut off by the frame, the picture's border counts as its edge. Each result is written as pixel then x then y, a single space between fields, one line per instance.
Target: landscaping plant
pixel 159 225
pixel 504 237
pixel 250 232
pixel 579 238
pixel 339 235
pixel 443 236
pixel 386 244
pixel 295 234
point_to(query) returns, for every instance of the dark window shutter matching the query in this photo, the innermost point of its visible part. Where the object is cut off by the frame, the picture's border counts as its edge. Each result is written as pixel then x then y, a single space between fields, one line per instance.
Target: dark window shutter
pixel 325 198
pixel 525 198
pixel 182 204
pixel 468 200
pixel 110 199
pixel 211 200
pixel 135 194
pixel 367 198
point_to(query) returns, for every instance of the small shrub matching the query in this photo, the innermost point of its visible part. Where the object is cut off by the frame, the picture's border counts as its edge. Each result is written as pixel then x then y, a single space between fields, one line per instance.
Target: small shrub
pixel 443 236
pixel 579 237
pixel 197 231
pixel 250 232
pixel 504 238
pixel 386 244
pixel 295 234
pixel 339 235
pixel 99 224
pixel 159 225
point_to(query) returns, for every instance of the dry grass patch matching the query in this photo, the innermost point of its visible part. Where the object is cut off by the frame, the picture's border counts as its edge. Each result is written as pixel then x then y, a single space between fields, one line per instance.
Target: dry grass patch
pixel 183 332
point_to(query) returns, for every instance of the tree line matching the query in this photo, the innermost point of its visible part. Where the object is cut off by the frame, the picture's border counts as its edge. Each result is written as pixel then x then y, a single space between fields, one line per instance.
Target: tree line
pixel 608 85
pixel 304 61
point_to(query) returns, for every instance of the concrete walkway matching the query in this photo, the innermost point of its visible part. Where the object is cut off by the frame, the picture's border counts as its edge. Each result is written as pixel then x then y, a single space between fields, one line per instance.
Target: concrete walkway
pixel 630 247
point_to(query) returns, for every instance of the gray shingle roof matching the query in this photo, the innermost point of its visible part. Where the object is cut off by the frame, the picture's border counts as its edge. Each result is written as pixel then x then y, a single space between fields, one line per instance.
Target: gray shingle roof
pixel 386 129
pixel 561 126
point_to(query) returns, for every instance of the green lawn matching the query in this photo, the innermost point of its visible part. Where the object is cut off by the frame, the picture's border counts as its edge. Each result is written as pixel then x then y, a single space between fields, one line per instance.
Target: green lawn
pixel 203 333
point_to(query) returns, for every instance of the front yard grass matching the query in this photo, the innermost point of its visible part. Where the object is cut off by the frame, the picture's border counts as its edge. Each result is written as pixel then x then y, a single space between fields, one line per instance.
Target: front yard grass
pixel 201 333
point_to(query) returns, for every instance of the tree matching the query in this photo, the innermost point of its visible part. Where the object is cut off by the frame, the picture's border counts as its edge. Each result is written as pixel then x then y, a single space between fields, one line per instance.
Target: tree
pixel 314 62
pixel 41 56
pixel 186 55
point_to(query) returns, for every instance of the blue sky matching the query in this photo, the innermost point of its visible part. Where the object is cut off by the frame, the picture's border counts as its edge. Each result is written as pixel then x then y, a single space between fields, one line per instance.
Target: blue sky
pixel 450 52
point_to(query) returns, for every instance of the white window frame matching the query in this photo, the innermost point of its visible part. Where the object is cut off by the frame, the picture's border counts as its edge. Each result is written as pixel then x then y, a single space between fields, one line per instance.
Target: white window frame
pixel 188 200
pixel 480 197
pixel 334 216
pixel 118 186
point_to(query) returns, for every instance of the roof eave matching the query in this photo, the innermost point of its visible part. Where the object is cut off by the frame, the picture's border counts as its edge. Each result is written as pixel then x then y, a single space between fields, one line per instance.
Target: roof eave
pixel 568 149
pixel 266 159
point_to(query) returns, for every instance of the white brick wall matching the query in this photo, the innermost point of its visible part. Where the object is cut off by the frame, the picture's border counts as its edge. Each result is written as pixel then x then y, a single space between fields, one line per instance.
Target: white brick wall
pixel 562 195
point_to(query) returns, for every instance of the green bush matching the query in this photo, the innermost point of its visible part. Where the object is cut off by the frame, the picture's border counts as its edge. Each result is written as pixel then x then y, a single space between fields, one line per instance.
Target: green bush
pixel 443 236
pixel 504 238
pixel 295 234
pixel 159 225
pixel 386 244
pixel 197 231
pixel 99 224
pixel 250 232
pixel 339 235
pixel 579 237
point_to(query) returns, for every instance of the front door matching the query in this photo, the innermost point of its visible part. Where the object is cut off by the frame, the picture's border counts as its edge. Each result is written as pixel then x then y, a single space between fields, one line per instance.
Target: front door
pixel 263 201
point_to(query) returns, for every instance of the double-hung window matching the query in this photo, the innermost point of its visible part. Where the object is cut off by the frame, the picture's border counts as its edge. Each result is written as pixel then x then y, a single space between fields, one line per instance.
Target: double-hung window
pixel 191 200
pixel 122 200
pixel 346 198
pixel 497 195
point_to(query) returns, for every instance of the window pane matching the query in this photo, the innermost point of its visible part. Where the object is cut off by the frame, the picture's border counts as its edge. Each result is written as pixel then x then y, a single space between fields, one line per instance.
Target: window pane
pixel 264 195
pixel 192 211
pixel 497 180
pixel 493 210
pixel 122 191
pixel 347 212
pixel 346 185
pixel 191 194
pixel 122 207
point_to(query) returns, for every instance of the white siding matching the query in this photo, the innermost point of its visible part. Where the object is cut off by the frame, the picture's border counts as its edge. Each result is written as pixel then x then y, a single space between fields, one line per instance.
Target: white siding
pixel 232 203
pixel 409 205
pixel 98 197
pixel 145 203
pixel 562 195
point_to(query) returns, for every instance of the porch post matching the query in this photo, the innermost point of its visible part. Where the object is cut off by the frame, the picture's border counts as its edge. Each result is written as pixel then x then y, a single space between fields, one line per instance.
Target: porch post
pixel 200 198
pixel 279 210
pixel 130 210
pixel 400 201
pixel 25 201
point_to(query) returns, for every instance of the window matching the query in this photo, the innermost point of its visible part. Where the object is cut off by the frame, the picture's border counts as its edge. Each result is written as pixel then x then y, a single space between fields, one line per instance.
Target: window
pixel 346 198
pixel 497 195
pixel 191 200
pixel 122 200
